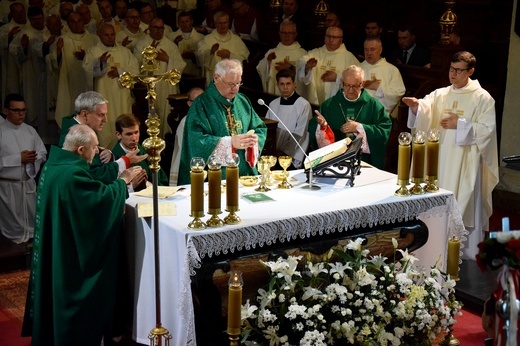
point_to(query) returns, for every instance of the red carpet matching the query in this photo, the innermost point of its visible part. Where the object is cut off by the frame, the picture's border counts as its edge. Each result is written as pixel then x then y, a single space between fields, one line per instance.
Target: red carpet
pixel 468 329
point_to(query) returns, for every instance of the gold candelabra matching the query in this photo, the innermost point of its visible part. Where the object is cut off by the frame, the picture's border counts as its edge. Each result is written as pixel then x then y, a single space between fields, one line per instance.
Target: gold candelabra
pixel 153 145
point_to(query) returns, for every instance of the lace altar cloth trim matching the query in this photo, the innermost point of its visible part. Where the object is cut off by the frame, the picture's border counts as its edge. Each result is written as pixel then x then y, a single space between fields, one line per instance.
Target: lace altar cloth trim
pixel 285 230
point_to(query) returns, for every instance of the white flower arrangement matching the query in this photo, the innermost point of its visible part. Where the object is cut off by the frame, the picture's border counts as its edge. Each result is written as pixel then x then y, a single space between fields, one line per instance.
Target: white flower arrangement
pixel 360 300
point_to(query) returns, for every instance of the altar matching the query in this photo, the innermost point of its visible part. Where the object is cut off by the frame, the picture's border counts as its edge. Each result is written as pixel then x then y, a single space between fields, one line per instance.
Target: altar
pixel 291 215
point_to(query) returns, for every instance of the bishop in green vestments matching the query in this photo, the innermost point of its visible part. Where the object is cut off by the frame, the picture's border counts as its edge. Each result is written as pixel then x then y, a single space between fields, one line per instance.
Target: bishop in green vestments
pixel 78 222
pixel 353 112
pixel 218 121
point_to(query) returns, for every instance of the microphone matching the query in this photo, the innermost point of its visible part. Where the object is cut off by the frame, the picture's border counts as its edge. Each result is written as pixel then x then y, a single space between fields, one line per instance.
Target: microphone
pixel 261 102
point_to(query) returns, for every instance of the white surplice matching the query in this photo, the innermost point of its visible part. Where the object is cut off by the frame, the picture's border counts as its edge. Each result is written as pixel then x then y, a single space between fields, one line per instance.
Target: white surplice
pixel 10 70
pixel 189 43
pixel 17 185
pixel 468 155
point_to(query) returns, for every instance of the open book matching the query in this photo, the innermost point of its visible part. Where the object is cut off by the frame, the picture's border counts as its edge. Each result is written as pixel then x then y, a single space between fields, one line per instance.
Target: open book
pixel 326 153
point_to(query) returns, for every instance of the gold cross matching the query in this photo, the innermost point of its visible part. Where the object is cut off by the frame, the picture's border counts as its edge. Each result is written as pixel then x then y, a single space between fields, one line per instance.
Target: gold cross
pixel 234 126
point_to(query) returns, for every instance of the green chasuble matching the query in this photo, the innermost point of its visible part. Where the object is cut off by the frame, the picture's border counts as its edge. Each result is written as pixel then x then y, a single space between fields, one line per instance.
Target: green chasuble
pixel 103 172
pixel 118 151
pixel 207 123
pixel 72 286
pixel 365 110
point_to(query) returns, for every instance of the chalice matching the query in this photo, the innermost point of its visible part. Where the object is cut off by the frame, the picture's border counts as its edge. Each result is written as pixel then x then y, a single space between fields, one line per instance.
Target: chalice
pixel 285 162
pixel 272 161
pixel 263 167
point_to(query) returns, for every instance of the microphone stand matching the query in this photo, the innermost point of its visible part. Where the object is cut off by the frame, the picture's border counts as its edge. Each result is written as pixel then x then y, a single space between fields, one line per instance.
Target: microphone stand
pixel 310 186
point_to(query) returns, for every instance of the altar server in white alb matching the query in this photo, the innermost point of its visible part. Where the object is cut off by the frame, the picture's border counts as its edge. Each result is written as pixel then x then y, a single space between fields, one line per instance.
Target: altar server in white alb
pixel 284 55
pixel 382 79
pixel 320 67
pixel 22 153
pixel 295 112
pixel 103 64
pixel 169 58
pixel 468 160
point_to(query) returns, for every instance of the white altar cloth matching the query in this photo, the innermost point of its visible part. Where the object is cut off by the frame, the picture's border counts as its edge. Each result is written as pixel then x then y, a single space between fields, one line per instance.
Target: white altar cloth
pixel 294 213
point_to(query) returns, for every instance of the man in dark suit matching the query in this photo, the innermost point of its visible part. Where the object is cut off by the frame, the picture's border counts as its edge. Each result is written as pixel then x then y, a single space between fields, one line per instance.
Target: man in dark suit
pixel 409 52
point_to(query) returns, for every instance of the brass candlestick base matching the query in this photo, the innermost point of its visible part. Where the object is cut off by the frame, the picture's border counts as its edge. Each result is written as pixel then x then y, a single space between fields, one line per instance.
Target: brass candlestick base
pixel 232 218
pixel 402 191
pixel 233 339
pixel 197 223
pixel 158 334
pixel 417 189
pixel 431 184
pixel 215 221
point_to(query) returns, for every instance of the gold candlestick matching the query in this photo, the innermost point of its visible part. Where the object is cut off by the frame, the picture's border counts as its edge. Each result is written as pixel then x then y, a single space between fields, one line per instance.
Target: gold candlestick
pixel 432 160
pixel 197 193
pixel 403 164
pixel 232 189
pixel 234 307
pixel 214 192
pixel 418 150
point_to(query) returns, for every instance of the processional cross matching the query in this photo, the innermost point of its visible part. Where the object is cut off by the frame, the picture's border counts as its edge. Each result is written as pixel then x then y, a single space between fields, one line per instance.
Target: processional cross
pixel 153 145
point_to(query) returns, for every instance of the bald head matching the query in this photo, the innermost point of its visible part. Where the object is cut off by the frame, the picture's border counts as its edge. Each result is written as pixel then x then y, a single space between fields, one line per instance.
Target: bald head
pixel 53 24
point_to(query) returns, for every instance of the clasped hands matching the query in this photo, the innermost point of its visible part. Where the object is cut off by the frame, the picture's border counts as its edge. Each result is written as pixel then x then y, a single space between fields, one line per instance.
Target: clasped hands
pixel 244 141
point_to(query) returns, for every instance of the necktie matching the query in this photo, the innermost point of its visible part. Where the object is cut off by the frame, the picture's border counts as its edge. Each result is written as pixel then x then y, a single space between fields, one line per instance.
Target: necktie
pixel 405 56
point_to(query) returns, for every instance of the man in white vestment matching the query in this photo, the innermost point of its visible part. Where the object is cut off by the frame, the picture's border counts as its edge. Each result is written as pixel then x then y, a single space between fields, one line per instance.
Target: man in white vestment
pixel 22 153
pixel 105 9
pixel 187 38
pixel 319 68
pixel 121 9
pixel 169 58
pixel 464 113
pixel 89 21
pixel 382 79
pixel 219 45
pixel 130 33
pixel 284 56
pixel 92 6
pixel 32 69
pixel 295 112
pixel 177 148
pixel 103 64
pixel 72 78
pixel 147 14
pixel 8 32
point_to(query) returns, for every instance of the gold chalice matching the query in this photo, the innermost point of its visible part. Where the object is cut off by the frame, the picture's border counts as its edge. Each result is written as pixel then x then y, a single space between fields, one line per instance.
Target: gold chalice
pixel 263 168
pixel 272 161
pixel 285 162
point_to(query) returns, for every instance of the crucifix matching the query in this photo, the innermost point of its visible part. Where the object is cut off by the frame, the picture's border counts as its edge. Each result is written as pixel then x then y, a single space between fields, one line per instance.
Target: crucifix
pixel 153 145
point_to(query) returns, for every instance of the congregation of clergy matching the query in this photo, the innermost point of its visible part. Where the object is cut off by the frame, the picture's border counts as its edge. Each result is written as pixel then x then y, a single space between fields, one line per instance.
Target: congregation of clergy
pixel 61 63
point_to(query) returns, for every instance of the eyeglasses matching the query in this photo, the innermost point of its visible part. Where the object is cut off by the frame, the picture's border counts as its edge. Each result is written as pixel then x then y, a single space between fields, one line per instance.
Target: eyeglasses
pixel 288 32
pixel 157 27
pixel 330 37
pixel 350 86
pixel 458 70
pixel 18 110
pixel 231 85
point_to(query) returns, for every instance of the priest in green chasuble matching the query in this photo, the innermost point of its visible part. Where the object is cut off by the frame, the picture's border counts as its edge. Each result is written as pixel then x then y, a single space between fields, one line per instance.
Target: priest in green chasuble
pixel 464 113
pixel 353 112
pixel 219 123
pixel 72 287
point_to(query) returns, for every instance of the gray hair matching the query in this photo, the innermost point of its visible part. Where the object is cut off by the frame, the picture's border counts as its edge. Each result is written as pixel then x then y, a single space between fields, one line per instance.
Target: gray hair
pixel 353 69
pixel 220 14
pixel 229 66
pixel 287 23
pixel 78 135
pixel 88 101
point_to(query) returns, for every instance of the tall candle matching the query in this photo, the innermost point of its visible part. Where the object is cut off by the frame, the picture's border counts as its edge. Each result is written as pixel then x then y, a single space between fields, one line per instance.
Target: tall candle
pixel 232 186
pixel 197 190
pixel 403 162
pixel 234 303
pixel 418 150
pixel 214 191
pixel 432 158
pixel 453 257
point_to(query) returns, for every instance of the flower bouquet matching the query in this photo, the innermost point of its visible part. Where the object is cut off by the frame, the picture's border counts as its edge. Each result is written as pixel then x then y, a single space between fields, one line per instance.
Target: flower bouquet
pixel 501 251
pixel 350 298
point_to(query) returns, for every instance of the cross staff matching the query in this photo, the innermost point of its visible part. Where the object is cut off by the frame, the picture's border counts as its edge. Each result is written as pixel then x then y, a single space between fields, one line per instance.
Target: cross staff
pixel 153 145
